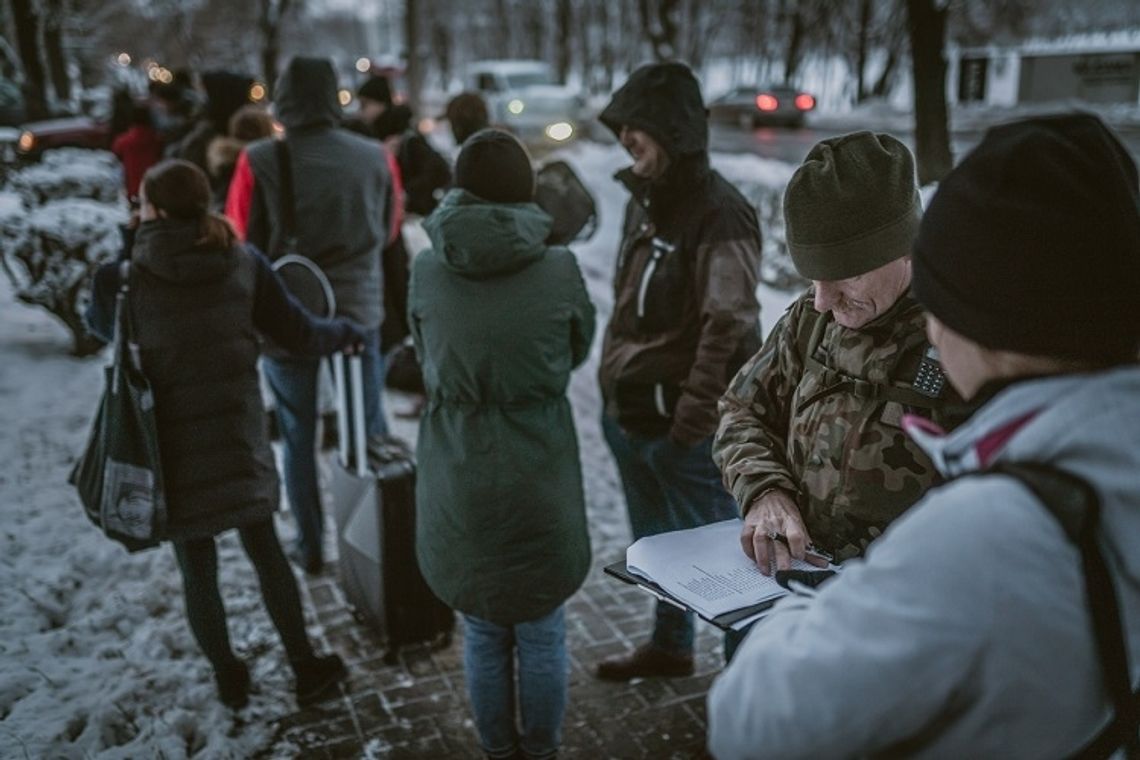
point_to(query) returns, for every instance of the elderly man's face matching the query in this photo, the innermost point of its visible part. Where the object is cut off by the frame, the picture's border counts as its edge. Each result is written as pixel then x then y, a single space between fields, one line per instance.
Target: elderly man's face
pixel 857 300
pixel 649 158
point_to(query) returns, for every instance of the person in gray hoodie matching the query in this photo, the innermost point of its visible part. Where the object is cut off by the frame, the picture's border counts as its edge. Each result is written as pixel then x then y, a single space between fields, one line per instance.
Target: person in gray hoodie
pixel 967 630
pixel 344 216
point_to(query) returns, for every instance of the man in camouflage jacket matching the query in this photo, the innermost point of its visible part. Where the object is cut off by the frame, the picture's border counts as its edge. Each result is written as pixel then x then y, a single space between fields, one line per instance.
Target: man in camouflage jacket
pixel 810 441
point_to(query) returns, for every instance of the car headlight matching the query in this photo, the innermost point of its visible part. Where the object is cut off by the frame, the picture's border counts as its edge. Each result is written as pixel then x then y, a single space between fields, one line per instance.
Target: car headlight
pixel 559 131
pixel 516 106
pixel 26 142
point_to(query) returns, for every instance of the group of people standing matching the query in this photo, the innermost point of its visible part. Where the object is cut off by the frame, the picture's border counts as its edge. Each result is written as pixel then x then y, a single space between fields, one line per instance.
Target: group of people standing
pixel 998 326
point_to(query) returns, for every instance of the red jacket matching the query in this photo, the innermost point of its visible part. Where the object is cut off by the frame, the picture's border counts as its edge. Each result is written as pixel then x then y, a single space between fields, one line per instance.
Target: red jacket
pixel 138 149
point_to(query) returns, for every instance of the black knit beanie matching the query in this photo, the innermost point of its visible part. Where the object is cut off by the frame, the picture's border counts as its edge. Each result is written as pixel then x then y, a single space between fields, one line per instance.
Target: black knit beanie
pixel 852 206
pixel 1032 244
pixel 376 88
pixel 495 166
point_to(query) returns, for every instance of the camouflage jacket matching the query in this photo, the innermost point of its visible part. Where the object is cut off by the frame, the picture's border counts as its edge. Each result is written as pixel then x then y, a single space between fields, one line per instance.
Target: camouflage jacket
pixel 826 429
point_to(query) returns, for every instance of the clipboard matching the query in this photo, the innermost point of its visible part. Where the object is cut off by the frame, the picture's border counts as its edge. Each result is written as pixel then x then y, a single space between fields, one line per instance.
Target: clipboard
pixel 724 622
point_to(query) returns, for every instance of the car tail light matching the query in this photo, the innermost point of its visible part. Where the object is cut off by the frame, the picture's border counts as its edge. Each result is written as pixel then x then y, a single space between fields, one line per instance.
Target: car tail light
pixel 766 102
pixel 805 102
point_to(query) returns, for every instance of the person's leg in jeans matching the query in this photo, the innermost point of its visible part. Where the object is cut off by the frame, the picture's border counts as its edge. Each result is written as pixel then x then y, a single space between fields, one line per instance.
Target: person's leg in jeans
pixel 294 385
pixel 372 364
pixel 649 514
pixel 695 495
pixel 198 561
pixel 488 662
pixel 543 683
pixel 278 588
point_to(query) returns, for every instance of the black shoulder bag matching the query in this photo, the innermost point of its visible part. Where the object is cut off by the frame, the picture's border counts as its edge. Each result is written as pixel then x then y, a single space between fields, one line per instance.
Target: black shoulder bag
pixel 1075 505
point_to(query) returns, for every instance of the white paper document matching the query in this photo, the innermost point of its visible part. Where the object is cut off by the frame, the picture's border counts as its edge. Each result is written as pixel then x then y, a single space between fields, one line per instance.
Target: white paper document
pixel 705 568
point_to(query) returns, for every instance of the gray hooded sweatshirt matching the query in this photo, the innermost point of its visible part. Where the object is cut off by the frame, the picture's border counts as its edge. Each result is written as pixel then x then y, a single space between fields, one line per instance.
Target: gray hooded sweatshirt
pixel 342 187
pixel 965 631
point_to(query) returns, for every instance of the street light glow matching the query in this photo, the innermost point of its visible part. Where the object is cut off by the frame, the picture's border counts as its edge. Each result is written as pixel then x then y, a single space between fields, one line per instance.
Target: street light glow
pixel 345 97
pixel 363 65
pixel 257 92
pixel 123 59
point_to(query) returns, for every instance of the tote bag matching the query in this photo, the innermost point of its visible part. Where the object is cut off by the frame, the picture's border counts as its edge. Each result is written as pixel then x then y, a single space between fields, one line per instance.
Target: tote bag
pixel 119 478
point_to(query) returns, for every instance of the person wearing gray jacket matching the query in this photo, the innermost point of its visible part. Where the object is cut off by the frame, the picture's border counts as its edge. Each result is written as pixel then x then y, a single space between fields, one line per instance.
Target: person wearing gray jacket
pixel 967 630
pixel 344 215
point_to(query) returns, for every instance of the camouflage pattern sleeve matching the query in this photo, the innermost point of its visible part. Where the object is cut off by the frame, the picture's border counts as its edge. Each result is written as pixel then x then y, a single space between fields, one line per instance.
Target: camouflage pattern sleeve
pixel 751 442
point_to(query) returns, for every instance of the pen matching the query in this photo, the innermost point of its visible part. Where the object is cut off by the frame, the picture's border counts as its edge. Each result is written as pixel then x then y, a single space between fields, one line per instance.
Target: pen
pixel 810 550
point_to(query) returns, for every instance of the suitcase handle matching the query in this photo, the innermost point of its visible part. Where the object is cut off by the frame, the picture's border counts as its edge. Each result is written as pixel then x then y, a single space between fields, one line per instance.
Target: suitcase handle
pixel 352 441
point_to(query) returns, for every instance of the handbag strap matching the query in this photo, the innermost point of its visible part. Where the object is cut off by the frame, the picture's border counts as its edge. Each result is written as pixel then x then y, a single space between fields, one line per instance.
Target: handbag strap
pixel 288 207
pixel 123 332
pixel 1076 507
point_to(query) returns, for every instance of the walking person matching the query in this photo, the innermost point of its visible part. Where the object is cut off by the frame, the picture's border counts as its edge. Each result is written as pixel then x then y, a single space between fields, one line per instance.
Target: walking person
pixel 499 321
pixel 198 300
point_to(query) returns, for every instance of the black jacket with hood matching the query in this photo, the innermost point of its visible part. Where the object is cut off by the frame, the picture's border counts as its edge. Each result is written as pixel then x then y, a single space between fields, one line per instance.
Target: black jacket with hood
pixel 685 314
pixel 342 188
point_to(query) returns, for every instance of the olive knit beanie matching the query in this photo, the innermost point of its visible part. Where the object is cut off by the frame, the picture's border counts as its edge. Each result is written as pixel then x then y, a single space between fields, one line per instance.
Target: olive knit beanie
pixel 1032 243
pixel 852 206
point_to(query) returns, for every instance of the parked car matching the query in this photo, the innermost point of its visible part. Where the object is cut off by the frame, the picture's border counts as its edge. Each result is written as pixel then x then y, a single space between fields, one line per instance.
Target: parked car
pixel 751 106
pixel 524 97
pixel 69 132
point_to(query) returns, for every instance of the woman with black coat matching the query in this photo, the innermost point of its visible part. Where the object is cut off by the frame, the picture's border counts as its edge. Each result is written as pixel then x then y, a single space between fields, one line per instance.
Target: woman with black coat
pixel 198 300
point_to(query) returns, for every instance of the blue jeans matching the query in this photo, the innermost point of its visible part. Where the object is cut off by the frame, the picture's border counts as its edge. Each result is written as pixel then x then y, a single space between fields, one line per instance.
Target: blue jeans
pixel 294 384
pixel 668 487
pixel 489 653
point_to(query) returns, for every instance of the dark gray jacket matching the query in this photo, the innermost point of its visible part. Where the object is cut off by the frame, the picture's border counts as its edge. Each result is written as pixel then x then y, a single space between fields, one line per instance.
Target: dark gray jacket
pixel 342 186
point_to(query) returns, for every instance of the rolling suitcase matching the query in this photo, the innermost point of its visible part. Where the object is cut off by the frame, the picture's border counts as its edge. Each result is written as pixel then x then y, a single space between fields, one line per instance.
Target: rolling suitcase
pixel 376 531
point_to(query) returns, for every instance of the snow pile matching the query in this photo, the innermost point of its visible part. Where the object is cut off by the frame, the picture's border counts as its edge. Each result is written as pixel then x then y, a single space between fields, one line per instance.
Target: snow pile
pixel 59 220
pixel 70 173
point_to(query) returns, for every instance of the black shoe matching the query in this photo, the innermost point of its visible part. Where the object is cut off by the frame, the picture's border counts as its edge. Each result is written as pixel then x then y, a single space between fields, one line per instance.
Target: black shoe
pixel 317 678
pixel 330 436
pixel 233 685
pixel 647 661
pixel 311 565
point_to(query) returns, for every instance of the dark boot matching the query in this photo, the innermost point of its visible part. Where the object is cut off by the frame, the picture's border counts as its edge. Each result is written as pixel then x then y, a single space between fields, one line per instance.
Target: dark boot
pixel 233 685
pixel 647 661
pixel 318 677
pixel 311 565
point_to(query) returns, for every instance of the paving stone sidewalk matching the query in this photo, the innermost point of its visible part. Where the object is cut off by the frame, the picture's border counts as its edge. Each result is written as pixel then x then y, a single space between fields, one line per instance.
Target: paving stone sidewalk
pixel 417 707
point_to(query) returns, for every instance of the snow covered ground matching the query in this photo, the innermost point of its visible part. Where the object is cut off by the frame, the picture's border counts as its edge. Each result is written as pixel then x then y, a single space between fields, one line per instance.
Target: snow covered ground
pixel 96 659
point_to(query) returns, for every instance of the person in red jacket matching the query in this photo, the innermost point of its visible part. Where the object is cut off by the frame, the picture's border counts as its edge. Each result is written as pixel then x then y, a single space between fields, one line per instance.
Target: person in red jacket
pixel 138 149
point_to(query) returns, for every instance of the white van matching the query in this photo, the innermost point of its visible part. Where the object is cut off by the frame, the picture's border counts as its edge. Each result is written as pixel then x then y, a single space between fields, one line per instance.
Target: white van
pixel 522 96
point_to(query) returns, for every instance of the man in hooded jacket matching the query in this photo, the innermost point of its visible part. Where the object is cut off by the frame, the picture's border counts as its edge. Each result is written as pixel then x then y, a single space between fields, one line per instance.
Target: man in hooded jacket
pixel 685 319
pixel 344 206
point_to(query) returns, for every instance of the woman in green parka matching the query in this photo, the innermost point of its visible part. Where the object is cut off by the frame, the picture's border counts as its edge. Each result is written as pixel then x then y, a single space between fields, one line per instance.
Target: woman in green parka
pixel 499 321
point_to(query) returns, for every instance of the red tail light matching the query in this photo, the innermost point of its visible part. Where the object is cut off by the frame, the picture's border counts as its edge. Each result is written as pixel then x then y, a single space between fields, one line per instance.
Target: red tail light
pixel 766 102
pixel 805 102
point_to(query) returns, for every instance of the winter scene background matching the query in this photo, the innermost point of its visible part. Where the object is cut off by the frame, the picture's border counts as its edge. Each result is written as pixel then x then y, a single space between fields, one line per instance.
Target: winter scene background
pixel 96 658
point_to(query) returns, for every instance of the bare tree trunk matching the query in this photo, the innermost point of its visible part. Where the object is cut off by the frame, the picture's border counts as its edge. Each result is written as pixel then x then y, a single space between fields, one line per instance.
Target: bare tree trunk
pixel 503 25
pixel 414 69
pixel 861 51
pixel 795 45
pixel 927 27
pixel 608 58
pixel 565 34
pixel 441 46
pixel 53 48
pixel 27 24
pixel 536 28
pixel 272 15
pixel 662 30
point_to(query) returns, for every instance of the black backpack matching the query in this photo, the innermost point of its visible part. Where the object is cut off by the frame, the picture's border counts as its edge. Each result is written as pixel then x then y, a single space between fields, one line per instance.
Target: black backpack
pixel 1076 507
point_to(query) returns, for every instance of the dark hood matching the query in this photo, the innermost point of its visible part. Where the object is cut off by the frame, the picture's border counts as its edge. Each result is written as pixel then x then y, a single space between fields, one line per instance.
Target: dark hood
pixel 479 240
pixel 226 92
pixel 306 94
pixel 664 101
pixel 168 249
